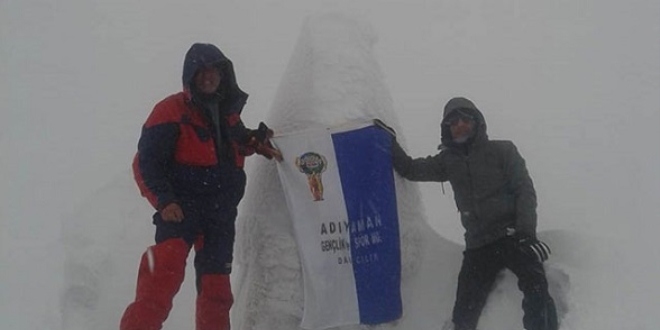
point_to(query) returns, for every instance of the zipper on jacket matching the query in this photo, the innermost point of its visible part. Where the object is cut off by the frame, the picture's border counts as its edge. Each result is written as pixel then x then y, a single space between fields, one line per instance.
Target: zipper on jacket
pixel 473 204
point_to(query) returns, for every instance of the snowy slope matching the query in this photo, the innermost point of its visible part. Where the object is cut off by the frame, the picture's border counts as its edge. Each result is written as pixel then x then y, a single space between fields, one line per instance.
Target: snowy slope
pixel 333 77
pixel 575 84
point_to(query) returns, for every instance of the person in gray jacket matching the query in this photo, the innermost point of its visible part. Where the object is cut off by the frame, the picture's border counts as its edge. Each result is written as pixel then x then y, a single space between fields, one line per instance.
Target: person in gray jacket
pixel 497 203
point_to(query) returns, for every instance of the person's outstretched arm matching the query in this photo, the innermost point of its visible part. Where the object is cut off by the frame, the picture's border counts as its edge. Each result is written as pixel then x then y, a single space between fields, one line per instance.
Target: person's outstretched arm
pixel 428 168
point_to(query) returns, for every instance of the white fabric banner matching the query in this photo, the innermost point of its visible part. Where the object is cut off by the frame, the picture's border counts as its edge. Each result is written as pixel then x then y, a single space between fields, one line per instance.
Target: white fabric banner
pixel 342 256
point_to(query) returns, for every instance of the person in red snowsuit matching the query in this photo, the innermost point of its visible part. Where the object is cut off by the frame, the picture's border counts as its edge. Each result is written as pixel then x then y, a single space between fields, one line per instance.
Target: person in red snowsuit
pixel 189 165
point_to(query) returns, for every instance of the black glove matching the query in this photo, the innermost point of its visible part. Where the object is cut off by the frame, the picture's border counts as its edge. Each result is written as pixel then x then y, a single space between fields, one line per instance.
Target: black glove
pixel 259 135
pixel 533 247
pixel 382 125
pixel 259 139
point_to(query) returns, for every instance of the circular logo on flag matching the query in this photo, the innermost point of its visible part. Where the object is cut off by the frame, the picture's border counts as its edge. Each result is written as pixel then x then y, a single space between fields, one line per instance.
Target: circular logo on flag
pixel 313 164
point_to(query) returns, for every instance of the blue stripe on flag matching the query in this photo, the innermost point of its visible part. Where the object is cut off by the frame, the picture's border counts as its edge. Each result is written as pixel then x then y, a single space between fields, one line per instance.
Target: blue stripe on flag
pixel 365 167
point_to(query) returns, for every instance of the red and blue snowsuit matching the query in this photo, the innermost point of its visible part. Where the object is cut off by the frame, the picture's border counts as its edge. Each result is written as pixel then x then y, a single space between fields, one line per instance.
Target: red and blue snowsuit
pixel 191 152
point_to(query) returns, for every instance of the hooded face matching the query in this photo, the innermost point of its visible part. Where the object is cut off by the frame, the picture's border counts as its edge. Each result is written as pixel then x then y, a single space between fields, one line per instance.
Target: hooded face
pixel 462 123
pixel 207 79
pixel 200 62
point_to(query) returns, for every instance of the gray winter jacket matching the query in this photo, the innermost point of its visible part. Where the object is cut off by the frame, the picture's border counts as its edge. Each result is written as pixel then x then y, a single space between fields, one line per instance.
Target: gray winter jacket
pixel 492 188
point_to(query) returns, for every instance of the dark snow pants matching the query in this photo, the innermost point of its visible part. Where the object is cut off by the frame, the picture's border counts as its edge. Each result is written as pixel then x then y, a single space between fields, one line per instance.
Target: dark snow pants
pixel 211 231
pixel 477 276
pixel 210 227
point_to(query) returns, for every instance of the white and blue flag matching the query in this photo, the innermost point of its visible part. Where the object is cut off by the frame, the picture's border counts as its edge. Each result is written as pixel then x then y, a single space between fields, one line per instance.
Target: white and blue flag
pixel 340 191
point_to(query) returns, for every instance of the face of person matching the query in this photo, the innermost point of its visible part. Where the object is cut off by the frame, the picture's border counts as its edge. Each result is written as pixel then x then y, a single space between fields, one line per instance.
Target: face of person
pixel 207 79
pixel 461 127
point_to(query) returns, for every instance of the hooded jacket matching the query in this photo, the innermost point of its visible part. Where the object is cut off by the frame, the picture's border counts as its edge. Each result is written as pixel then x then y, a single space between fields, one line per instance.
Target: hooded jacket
pixel 193 145
pixel 492 187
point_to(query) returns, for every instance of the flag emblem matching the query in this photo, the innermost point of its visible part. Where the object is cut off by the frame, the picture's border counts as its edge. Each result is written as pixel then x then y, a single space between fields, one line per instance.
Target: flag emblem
pixel 313 164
